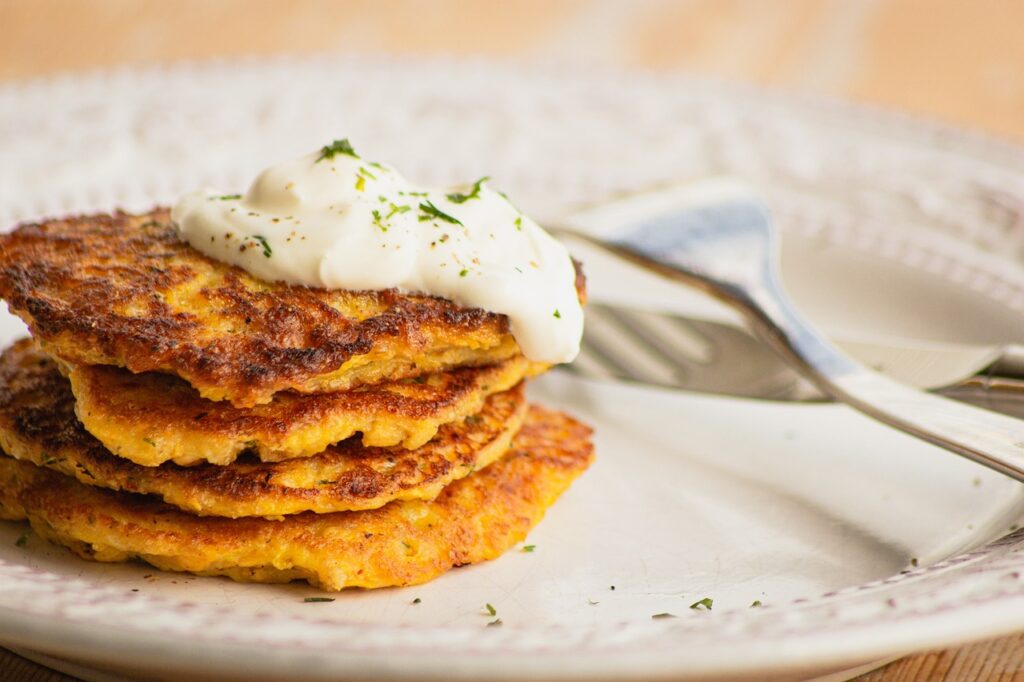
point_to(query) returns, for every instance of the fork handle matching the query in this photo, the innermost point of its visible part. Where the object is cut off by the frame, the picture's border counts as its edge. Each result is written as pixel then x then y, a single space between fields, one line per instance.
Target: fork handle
pixel 988 438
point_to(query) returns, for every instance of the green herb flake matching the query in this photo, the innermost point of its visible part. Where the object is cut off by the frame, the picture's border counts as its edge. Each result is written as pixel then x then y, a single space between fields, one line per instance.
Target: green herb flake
pixel 395 208
pixel 267 252
pixel 417 600
pixel 756 604
pixel 529 548
pixel 429 212
pixel 519 223
pixel 316 600
pixel 225 197
pixel 360 183
pixel 463 272
pixel 659 616
pixel 366 173
pixel 337 147
pixel 558 314
pixel 491 610
pixel 378 220
pixel 457 198
pixel 704 604
pixel 21 541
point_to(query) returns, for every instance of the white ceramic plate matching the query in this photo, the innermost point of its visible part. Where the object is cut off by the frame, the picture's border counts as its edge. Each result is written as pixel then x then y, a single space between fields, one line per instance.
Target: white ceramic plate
pixel 861 543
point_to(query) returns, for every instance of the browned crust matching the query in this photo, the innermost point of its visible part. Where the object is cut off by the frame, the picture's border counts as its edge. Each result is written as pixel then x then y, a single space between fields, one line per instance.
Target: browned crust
pixel 38 424
pixel 124 290
pixel 403 543
pixel 153 418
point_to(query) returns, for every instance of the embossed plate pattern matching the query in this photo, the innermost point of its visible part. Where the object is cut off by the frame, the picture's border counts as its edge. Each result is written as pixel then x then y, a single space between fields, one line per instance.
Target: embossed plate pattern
pixel 860 543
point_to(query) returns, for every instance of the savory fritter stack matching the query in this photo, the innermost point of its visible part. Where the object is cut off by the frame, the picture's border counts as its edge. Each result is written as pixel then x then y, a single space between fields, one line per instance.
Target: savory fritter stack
pixel 175 409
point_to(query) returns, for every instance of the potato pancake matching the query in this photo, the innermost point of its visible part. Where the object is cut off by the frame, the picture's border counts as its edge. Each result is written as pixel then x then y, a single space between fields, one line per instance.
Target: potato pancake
pixel 124 290
pixel 38 424
pixel 154 418
pixel 403 543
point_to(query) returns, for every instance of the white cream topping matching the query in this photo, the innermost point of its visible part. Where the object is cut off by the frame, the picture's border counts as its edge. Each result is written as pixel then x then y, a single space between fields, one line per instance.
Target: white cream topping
pixel 333 220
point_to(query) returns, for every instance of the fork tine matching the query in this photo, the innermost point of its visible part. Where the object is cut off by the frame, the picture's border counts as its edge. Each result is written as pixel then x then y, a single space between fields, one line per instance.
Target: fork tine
pixel 624 355
pixel 670 351
pixel 670 338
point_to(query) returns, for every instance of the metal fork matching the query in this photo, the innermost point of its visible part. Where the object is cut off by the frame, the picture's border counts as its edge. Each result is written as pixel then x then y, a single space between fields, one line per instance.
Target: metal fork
pixel 725 244
pixel 626 344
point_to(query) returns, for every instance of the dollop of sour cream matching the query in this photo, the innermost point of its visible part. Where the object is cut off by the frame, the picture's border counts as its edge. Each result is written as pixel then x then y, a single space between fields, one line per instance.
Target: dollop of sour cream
pixel 333 220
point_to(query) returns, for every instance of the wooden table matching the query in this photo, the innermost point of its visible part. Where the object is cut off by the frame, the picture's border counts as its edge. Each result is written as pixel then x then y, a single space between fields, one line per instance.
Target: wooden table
pixel 955 60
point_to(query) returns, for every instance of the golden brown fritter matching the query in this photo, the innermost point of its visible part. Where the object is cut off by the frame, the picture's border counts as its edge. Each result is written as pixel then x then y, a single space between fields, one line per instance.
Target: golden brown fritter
pixel 38 424
pixel 124 290
pixel 154 418
pixel 403 543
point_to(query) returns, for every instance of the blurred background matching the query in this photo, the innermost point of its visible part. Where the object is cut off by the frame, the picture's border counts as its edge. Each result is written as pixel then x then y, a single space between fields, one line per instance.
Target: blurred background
pixel 958 60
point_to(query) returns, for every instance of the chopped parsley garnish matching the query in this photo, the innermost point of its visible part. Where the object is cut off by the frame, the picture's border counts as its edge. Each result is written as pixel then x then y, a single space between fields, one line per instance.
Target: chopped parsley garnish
pixel 703 605
pixel 225 197
pixel 529 548
pixel 558 315
pixel 380 220
pixel 491 610
pixel 429 212
pixel 263 242
pixel 367 173
pixel 494 623
pixel 21 541
pixel 337 147
pixel 311 600
pixel 417 600
pixel 755 604
pixel 463 272
pixel 519 223
pixel 457 198
pixel 659 616
pixel 377 165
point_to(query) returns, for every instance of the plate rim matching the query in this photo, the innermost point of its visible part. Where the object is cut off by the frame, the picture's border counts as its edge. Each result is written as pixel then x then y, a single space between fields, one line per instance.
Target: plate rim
pixel 998 620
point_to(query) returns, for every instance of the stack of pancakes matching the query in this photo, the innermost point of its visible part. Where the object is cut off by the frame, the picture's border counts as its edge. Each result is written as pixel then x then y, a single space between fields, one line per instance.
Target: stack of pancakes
pixel 174 409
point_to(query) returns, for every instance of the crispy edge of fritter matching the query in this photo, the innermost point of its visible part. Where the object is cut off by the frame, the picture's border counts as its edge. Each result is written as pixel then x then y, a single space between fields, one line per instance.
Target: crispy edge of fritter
pixel 403 543
pixel 155 418
pixel 64 276
pixel 38 425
